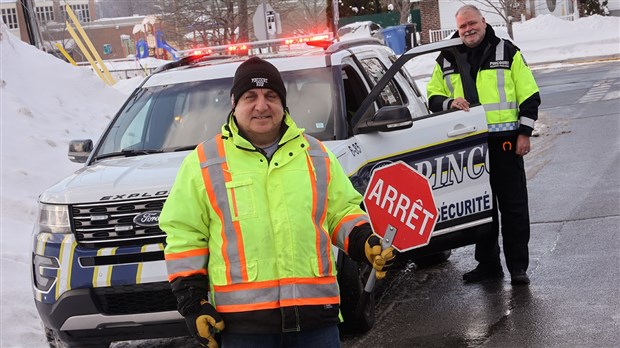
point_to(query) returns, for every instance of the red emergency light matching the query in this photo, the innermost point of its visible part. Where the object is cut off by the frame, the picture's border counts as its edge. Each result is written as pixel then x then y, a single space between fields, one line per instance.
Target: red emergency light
pixel 320 40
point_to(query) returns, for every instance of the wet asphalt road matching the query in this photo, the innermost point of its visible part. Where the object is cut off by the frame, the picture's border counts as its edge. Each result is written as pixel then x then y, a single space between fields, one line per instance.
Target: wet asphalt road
pixel 574 191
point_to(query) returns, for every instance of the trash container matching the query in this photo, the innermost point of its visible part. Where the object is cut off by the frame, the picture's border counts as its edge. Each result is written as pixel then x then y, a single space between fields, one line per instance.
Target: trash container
pixel 395 38
pixel 411 36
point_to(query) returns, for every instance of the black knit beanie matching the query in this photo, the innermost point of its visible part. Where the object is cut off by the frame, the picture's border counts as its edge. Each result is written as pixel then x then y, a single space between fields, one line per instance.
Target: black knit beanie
pixel 257 73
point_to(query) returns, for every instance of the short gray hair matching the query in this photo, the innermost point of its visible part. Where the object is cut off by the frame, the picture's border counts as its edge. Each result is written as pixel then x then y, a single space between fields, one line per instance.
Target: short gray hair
pixel 468 7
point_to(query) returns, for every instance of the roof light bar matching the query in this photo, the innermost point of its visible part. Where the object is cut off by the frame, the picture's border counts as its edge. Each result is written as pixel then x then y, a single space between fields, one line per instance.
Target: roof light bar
pixel 243 48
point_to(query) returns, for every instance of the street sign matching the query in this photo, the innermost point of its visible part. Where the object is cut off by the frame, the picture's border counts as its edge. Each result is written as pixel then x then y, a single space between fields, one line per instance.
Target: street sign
pixel 270 17
pixel 260 19
pixel 401 199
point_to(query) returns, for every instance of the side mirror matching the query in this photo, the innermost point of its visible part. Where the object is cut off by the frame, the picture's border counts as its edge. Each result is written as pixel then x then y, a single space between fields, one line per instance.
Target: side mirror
pixel 79 150
pixel 387 119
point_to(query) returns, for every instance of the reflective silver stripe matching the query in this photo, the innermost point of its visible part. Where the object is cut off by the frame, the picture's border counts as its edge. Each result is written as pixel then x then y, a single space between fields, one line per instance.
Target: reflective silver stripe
pixel 296 291
pixel 500 74
pixel 277 295
pixel 446 103
pixel 501 127
pixel 192 263
pixel 213 164
pixel 449 84
pixel 500 106
pixel 446 77
pixel 213 161
pixel 320 162
pixel 526 121
pixel 503 103
pixel 499 50
pixel 345 230
pixel 446 65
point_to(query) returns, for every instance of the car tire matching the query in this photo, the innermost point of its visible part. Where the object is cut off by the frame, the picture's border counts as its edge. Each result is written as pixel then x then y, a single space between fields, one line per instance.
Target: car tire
pixel 54 341
pixel 352 278
pixel 432 259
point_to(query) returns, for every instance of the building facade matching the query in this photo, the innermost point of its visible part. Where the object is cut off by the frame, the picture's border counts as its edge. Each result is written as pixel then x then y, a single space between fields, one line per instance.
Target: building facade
pixel 44 11
pixel 112 37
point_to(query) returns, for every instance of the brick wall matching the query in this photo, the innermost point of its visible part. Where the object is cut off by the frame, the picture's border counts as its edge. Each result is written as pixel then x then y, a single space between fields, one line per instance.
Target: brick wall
pixel 429 11
pixel 21 20
pixel 99 37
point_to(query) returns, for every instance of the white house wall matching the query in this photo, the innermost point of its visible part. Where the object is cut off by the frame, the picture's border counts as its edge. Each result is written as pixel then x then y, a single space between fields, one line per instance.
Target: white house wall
pixel 558 8
pixel 12 5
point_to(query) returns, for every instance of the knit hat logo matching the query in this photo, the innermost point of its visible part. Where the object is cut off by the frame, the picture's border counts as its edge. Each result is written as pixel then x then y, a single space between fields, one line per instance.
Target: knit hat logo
pixel 259 81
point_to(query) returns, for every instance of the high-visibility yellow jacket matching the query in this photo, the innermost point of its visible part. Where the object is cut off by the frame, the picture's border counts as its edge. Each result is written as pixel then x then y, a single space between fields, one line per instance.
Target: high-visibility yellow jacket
pixel 504 84
pixel 260 229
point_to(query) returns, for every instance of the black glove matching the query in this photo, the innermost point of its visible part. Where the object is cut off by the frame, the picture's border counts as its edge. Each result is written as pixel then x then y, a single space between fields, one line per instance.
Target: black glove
pixel 200 316
pixel 380 260
pixel 201 322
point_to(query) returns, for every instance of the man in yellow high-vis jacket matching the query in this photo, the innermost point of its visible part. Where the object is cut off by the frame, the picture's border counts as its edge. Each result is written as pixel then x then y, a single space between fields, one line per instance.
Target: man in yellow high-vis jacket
pixel 250 222
pixel 491 71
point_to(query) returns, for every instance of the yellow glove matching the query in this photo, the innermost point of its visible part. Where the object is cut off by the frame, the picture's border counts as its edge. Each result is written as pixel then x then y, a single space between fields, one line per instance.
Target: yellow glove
pixel 201 324
pixel 380 260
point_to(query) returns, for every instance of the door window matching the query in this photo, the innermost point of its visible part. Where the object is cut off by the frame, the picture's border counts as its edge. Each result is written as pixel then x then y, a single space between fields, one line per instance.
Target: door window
pixel 390 94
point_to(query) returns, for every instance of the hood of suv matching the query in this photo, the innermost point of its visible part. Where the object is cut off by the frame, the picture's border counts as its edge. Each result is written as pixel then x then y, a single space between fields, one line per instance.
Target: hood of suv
pixel 118 179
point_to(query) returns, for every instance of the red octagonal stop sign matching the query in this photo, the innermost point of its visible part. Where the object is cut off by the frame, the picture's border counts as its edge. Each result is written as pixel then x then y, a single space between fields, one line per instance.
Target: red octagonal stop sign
pixel 400 198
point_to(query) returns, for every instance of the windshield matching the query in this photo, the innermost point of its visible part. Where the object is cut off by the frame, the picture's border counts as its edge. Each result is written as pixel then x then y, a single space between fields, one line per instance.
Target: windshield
pixel 180 116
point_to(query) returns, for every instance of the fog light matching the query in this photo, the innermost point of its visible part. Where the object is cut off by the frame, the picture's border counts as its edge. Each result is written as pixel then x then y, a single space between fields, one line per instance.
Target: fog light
pixel 45 271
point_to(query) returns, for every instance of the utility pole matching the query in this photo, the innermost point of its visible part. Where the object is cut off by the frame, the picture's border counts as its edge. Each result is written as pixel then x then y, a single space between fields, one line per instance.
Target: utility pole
pixel 243 21
pixel 32 28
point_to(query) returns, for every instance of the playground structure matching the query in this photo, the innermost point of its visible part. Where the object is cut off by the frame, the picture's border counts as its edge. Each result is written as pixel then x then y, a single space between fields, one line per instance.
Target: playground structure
pixel 150 40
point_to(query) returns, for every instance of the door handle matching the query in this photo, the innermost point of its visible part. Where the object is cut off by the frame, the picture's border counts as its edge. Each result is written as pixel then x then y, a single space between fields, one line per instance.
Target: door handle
pixel 460 129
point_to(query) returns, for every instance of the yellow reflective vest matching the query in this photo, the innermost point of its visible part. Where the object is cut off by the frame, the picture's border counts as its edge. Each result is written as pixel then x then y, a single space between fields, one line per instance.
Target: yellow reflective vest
pixel 260 229
pixel 504 84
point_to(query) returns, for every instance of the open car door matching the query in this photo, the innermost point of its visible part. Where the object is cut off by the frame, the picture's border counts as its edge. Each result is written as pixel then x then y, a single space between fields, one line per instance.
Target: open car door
pixel 449 148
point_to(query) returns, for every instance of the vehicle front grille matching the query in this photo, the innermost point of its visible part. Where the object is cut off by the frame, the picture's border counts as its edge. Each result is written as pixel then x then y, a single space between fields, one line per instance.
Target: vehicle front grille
pixel 134 299
pixel 113 223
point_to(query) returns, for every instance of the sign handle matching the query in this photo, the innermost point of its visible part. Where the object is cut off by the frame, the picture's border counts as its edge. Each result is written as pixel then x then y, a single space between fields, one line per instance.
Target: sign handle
pixel 387 241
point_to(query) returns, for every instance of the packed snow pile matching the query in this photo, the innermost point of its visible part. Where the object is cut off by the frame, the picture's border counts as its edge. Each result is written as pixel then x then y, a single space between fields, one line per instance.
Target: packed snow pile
pixel 567 37
pixel 41 114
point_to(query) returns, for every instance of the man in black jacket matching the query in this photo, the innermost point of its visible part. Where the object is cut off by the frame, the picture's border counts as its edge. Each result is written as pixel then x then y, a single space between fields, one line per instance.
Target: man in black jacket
pixel 490 71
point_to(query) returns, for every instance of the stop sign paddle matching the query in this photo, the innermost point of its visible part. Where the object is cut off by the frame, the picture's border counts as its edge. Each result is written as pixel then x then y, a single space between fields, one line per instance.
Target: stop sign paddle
pixel 400 197
pixel 401 207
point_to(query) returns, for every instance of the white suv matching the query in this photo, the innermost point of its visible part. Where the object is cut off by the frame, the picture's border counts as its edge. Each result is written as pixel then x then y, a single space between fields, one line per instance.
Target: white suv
pixel 98 263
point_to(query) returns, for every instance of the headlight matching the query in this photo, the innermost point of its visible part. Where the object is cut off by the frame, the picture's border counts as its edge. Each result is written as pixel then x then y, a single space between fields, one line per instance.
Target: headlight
pixel 54 218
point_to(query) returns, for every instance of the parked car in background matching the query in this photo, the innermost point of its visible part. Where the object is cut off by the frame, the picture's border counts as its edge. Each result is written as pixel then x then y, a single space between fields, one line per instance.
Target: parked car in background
pixel 361 30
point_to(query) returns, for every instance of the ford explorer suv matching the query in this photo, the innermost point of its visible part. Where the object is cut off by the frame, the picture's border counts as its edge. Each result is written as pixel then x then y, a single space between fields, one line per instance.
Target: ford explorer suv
pixel 98 270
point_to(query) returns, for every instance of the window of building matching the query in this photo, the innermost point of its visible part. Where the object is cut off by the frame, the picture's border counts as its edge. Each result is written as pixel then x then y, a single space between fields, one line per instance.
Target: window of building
pixel 81 12
pixel 9 16
pixel 45 13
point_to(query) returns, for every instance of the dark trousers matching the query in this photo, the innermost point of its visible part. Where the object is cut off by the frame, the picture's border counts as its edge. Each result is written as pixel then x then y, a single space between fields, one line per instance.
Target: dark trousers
pixel 327 337
pixel 508 183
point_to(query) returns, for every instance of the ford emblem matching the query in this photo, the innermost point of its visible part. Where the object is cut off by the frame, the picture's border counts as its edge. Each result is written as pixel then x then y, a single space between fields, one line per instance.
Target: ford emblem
pixel 147 219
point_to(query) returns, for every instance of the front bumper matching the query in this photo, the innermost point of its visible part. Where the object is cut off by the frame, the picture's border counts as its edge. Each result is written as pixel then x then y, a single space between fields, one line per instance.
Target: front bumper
pixel 103 294
pixel 76 317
